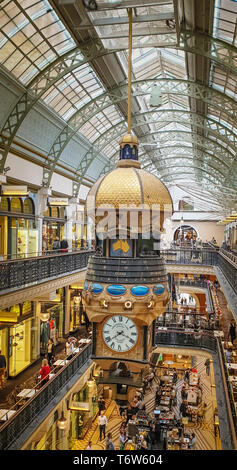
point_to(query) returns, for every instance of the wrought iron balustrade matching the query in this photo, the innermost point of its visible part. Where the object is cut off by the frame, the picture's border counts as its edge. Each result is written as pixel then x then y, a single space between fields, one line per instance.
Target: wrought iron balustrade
pixel 22 272
pixel 228 266
pixel 193 256
pixel 12 429
pixel 180 337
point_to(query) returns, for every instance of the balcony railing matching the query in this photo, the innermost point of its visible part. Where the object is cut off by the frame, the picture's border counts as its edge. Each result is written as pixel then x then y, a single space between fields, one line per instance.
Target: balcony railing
pixel 13 428
pixel 21 272
pixel 190 256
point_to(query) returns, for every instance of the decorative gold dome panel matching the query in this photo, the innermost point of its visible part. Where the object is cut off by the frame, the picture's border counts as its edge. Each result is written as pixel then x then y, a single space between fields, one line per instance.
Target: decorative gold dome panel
pixel 130 185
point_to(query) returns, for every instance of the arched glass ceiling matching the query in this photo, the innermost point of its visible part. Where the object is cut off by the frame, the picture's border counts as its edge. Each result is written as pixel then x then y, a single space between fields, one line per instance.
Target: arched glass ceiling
pixel 32 37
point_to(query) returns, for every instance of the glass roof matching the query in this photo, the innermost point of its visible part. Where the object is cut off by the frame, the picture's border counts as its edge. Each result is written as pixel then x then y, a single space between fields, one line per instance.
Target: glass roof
pixel 31 36
pixel 203 117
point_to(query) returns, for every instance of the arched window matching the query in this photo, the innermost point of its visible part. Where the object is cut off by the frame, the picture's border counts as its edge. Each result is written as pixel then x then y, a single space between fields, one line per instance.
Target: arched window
pixel 4 204
pixel 16 204
pixel 62 212
pixel 54 212
pixel 28 206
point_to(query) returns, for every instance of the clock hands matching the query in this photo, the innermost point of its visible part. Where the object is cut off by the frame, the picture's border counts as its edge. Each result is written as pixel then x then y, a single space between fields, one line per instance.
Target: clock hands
pixel 119 333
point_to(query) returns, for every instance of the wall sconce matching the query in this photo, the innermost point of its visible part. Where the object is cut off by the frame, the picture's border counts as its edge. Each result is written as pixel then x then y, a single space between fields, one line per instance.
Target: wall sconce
pixel 62 422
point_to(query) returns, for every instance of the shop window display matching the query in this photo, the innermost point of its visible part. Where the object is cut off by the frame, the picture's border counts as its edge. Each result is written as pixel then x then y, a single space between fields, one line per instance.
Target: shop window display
pixel 23 237
pixel 4 343
pixel 53 326
pixel 19 234
pixel 22 346
pixel 53 226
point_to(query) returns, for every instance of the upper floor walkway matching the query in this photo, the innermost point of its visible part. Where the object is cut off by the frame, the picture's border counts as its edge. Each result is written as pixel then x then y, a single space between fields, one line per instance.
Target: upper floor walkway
pixel 28 274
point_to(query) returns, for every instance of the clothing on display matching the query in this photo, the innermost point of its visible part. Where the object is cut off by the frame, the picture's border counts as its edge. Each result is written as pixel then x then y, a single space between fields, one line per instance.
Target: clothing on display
pixel 53 329
pixel 44 334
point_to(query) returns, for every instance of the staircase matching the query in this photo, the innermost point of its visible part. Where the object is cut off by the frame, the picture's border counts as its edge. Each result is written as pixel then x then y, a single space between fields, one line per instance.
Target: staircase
pixel 114 424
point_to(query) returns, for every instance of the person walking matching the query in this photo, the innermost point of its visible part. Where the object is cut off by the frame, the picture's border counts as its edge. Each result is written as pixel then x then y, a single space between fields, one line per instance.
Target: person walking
pixel 102 421
pixel 232 332
pixel 193 442
pixel 157 430
pixel 109 445
pixel 207 364
pixel 101 404
pixel 3 366
pixel 50 350
pixel 44 372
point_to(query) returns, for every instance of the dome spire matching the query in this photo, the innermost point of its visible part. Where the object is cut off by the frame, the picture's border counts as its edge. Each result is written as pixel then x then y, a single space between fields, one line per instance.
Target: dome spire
pixel 129 142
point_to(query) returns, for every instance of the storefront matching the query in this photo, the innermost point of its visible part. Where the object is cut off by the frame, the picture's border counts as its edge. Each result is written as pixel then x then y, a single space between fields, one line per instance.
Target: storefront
pixel 83 408
pixel 52 320
pixel 18 337
pixel 79 230
pixel 53 226
pixel 18 227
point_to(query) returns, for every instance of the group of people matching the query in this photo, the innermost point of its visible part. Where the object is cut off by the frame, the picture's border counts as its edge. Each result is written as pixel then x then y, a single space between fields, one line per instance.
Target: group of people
pixel 60 245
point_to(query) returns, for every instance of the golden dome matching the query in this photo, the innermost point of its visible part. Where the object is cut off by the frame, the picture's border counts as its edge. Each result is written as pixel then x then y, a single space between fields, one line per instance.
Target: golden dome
pixel 129 184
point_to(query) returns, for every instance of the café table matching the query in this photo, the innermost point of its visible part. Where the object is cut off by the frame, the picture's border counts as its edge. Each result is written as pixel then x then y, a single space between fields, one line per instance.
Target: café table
pixel 26 393
pixel 192 397
pixel 193 378
pixel 6 414
pixel 60 362
pixel 232 365
pixel 232 378
pixel 218 334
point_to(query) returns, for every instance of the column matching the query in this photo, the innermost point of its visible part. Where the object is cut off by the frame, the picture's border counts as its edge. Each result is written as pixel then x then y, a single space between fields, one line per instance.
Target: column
pixel 67 310
pixel 40 208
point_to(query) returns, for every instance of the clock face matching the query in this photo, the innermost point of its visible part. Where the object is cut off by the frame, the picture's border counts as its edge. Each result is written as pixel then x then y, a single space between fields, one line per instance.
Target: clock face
pixel 120 333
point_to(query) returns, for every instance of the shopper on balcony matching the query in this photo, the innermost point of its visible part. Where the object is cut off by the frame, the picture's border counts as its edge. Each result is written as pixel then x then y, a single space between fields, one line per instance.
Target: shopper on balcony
pixel 64 245
pixel 44 372
pixel 56 244
pixel 2 369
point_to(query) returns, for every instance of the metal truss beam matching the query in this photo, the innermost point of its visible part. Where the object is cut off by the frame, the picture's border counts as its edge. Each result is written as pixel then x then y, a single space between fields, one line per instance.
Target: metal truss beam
pixel 40 84
pixel 224 53
pixel 186 118
pixel 204 144
pixel 218 51
pixel 164 116
pixel 219 100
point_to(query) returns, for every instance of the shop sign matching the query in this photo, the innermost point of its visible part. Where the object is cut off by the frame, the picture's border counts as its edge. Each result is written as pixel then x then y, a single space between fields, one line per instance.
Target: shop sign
pixel 58 201
pixel 79 406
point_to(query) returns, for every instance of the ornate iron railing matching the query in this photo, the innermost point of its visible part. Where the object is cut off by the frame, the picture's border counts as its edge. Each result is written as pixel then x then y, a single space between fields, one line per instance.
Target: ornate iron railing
pixel 22 272
pixel 12 429
pixel 190 256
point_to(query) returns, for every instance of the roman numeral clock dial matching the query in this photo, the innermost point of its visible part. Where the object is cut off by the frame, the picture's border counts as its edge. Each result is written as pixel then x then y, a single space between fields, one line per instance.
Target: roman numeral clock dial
pixel 120 333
